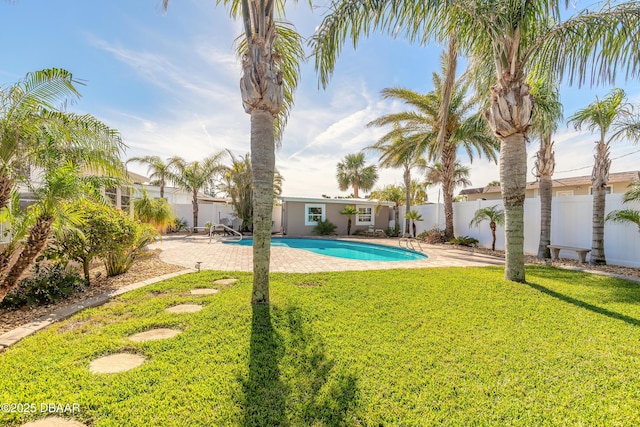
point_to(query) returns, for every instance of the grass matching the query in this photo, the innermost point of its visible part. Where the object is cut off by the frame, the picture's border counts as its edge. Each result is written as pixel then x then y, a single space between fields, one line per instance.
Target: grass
pixel 403 348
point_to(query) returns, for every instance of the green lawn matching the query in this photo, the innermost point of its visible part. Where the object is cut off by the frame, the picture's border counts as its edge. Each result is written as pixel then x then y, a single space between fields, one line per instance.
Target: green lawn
pixel 406 347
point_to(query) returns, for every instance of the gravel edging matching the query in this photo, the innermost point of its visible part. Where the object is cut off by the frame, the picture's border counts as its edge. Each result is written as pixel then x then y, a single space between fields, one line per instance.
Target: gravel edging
pixel 13 336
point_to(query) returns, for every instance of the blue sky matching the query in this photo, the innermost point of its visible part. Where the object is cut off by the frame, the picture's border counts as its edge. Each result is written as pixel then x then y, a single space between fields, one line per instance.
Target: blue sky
pixel 169 84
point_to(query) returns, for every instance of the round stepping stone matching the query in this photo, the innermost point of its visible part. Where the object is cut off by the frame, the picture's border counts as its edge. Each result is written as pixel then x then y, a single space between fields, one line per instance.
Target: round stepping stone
pixel 224 281
pixel 184 308
pixel 155 334
pixel 204 291
pixel 54 422
pixel 119 362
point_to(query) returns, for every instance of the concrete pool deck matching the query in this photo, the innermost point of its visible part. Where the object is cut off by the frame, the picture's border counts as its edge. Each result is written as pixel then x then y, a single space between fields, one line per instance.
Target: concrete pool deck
pixel 191 249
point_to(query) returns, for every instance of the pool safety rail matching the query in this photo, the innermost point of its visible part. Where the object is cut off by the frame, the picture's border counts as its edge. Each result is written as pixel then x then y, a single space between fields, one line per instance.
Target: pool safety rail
pixel 227 233
pixel 409 243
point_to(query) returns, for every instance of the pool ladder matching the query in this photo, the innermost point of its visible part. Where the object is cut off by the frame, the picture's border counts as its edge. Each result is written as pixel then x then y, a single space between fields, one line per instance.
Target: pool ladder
pixel 235 235
pixel 409 243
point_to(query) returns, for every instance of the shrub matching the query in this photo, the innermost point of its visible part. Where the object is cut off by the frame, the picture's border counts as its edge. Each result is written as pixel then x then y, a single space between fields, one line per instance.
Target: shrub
pixel 156 212
pixel 392 232
pixel 120 259
pixel 324 228
pixel 50 283
pixel 464 241
pixel 435 235
pixel 179 225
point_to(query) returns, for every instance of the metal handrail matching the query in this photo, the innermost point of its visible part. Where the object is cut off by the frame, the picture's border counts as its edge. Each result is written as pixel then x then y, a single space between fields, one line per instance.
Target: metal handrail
pixel 223 227
pixel 409 241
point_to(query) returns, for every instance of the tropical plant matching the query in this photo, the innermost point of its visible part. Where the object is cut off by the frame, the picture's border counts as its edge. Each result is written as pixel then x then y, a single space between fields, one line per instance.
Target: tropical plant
pixel 628 215
pixel 421 130
pixel 272 52
pixel 390 193
pixel 104 229
pixel 349 211
pixel 120 260
pixel 545 120
pixel 396 153
pixel 158 170
pixel 495 217
pixel 419 192
pixel 465 241
pixel 324 228
pixel 59 185
pixel 413 216
pixel 613 118
pixel 353 172
pixel 156 212
pixel 237 183
pixel 513 37
pixel 194 176
pixel 435 175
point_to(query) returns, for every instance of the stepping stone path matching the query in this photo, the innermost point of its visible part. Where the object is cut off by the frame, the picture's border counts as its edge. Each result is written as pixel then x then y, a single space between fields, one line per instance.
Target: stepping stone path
pixel 119 362
pixel 204 291
pixel 224 281
pixel 184 308
pixel 155 334
pixel 54 422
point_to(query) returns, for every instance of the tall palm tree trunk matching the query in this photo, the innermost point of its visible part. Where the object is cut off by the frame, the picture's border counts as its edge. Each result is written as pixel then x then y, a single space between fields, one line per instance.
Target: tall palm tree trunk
pixel 510 116
pixel 448 175
pixel 513 178
pixel 407 186
pixel 6 184
pixel 599 180
pixel 263 164
pixel 545 165
pixel 36 242
pixel 194 204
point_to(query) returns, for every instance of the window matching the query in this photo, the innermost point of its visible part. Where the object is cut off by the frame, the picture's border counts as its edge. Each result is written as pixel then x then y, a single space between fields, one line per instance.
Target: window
pixel 564 193
pixel 364 215
pixel 608 190
pixel 314 213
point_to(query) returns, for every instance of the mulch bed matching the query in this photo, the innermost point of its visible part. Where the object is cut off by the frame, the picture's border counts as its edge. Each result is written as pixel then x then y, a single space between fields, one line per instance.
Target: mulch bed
pixel 147 266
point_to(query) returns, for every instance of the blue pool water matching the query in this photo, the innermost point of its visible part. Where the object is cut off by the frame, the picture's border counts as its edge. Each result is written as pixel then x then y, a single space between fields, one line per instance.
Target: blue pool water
pixel 342 249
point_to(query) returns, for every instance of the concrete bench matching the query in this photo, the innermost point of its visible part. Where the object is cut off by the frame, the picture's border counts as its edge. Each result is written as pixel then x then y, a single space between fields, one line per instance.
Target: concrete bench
pixel 582 252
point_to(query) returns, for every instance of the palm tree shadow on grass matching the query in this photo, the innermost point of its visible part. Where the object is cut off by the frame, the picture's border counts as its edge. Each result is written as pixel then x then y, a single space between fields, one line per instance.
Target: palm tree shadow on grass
pixel 582 304
pixel 291 381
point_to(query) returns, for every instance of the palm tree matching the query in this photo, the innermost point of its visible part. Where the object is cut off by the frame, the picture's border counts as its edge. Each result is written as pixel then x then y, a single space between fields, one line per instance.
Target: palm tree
pixel 158 170
pixel 628 215
pixel 419 192
pixel 545 121
pixel 413 216
pixel 435 175
pixel 349 211
pixel 25 108
pixel 614 114
pixel 352 172
pixel 495 217
pixel 156 212
pixel 513 36
pixel 421 129
pixel 398 154
pixel 271 53
pixel 60 184
pixel 391 193
pixel 194 176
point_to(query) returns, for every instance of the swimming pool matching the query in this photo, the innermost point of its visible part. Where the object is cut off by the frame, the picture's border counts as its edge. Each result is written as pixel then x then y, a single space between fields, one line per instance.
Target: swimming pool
pixel 342 249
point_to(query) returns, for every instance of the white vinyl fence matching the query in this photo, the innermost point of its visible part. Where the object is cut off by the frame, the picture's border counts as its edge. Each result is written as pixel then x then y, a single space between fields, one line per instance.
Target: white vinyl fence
pixel 214 212
pixel 571 218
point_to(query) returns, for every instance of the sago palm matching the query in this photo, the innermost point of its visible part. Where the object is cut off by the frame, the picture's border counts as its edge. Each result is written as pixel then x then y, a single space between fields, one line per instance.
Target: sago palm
pixel 514 36
pixel 612 118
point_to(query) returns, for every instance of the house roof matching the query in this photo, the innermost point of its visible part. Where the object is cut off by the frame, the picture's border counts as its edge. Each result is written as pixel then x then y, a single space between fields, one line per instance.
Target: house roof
pixel 562 182
pixel 137 178
pixel 336 201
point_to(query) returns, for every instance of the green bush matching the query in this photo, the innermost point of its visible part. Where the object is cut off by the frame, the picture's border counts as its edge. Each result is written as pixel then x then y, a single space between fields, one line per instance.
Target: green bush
pixel 179 224
pixel 324 228
pixel 465 241
pixel 392 232
pixel 50 283
pixel 120 259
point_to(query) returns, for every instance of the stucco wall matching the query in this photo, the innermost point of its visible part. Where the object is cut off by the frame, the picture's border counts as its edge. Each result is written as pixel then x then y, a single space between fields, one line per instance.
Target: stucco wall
pixel 294 218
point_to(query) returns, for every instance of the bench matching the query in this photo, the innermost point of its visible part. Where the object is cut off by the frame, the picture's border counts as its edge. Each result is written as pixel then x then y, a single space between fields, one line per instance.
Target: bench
pixel 582 252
